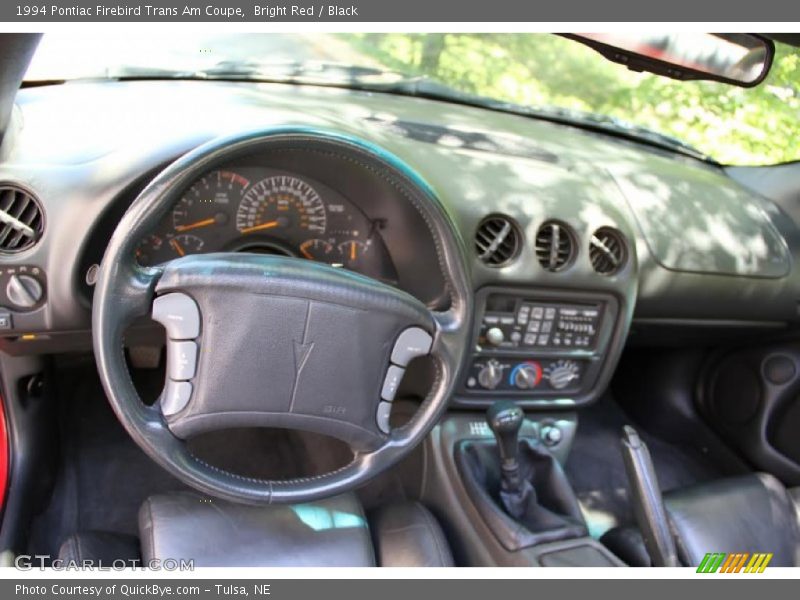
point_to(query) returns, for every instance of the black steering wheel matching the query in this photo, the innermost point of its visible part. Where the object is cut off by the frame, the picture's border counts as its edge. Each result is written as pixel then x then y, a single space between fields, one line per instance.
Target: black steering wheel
pixel 256 340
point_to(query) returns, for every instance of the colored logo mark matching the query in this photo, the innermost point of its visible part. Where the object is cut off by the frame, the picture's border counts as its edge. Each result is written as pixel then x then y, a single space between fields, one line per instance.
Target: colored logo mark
pixel 737 562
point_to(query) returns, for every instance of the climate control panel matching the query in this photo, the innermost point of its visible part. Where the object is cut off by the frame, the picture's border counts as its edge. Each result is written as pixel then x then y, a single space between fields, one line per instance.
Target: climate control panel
pixel 505 374
pixel 539 346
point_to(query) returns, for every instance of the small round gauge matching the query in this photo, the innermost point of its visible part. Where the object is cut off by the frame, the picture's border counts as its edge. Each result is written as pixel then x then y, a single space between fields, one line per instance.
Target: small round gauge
pixel 185 243
pixel 317 249
pixel 353 252
pixel 149 249
pixel 207 203
pixel 283 203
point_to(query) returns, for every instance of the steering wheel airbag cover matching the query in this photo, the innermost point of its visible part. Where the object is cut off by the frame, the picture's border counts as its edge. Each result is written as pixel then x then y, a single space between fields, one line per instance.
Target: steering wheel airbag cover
pixel 277 332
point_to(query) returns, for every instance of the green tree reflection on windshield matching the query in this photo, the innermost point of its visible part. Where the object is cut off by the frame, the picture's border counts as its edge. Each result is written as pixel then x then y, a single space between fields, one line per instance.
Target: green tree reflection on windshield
pixel 733 125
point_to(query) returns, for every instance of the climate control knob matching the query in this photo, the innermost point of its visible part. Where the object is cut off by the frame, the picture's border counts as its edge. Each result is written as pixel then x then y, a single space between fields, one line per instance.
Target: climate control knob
pixel 490 375
pixel 526 376
pixel 560 374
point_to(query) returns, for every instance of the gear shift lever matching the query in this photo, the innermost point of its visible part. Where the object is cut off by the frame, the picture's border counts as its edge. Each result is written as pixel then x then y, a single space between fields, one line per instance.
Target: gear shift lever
pixel 505 419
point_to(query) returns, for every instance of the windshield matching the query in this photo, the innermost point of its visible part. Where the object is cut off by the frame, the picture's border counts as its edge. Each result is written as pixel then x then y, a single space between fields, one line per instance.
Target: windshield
pixel 729 124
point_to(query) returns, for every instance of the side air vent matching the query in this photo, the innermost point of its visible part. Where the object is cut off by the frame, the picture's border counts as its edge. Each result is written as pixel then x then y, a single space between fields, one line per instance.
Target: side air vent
pixel 607 251
pixel 21 219
pixel 497 240
pixel 555 246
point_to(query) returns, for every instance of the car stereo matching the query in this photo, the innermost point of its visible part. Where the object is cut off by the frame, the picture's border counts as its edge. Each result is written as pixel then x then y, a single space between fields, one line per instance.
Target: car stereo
pixel 518 322
pixel 538 345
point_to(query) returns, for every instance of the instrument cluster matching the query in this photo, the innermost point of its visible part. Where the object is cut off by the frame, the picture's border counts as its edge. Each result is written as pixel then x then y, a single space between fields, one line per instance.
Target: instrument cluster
pixel 268 211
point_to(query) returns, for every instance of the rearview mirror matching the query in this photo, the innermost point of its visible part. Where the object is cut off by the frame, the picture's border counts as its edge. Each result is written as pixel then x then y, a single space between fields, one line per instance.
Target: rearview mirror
pixel 740 59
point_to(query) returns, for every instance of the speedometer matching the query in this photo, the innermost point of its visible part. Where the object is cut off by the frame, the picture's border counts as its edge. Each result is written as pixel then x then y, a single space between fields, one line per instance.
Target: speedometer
pixel 281 203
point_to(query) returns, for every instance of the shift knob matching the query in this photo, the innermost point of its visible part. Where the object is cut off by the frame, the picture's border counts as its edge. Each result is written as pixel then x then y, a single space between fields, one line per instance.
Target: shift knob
pixel 505 419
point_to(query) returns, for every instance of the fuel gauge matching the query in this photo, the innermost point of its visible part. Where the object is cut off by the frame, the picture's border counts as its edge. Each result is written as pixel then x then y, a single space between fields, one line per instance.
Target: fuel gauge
pixel 186 243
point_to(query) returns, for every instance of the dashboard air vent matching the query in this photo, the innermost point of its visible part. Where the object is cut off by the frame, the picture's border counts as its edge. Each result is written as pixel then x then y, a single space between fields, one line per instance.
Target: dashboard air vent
pixel 555 246
pixel 21 219
pixel 497 240
pixel 607 251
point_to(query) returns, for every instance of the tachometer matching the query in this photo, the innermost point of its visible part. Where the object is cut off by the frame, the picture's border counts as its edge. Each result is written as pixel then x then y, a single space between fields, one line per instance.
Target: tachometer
pixel 283 203
pixel 209 201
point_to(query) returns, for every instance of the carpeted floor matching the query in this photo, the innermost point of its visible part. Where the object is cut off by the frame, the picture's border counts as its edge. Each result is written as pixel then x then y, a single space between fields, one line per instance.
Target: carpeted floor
pixel 597 473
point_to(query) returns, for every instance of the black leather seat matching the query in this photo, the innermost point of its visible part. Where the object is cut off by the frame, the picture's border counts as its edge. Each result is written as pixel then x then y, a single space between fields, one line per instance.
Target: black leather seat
pixel 332 532
pixel 751 513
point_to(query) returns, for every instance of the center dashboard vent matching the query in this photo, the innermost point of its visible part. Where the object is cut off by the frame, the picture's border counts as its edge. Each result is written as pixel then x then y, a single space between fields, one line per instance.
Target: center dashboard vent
pixel 497 240
pixel 21 219
pixel 555 246
pixel 607 251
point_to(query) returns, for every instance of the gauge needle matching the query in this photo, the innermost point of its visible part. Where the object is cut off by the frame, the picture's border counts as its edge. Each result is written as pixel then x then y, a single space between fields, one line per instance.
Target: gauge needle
pixel 268 225
pixel 353 251
pixel 178 248
pixel 203 223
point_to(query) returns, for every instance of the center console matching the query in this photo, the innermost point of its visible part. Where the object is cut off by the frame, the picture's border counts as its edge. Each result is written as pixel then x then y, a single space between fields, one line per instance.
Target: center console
pixel 498 483
pixel 540 347
pixel 468 481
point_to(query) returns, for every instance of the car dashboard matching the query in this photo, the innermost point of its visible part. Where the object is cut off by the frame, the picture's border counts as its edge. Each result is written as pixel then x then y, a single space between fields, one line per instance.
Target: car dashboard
pixel 577 243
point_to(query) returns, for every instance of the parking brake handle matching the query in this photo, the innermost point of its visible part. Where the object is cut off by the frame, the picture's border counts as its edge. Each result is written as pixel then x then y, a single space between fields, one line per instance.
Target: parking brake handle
pixel 648 505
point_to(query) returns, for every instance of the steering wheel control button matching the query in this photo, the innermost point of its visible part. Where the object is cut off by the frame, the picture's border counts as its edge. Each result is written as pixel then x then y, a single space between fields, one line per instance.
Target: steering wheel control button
pixel 413 342
pixel 382 417
pixel 391 382
pixel 176 397
pixel 181 360
pixel 179 315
